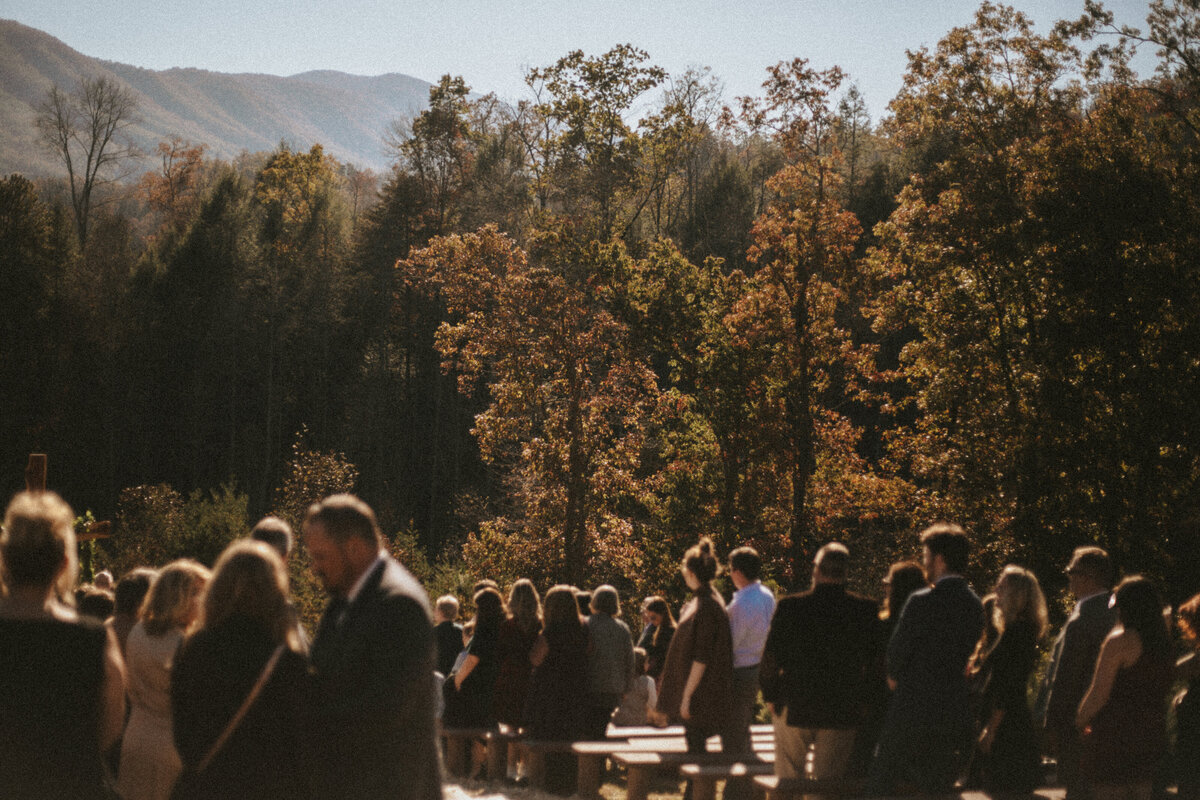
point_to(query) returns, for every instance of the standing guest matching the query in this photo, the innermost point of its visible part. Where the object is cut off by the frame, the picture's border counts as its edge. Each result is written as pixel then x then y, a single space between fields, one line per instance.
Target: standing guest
pixel 1187 707
pixel 640 698
pixel 470 689
pixel 62 682
pixel 239 685
pixel 928 723
pixel 130 593
pixel 372 712
pixel 610 660
pixel 750 613
pixel 697 679
pixel 648 627
pixel 104 580
pixel 902 579
pixel 275 533
pixel 819 660
pixel 664 628
pixel 149 762
pixel 552 708
pixel 1090 576
pixel 447 632
pixel 1123 715
pixel 517 635
pixel 1007 745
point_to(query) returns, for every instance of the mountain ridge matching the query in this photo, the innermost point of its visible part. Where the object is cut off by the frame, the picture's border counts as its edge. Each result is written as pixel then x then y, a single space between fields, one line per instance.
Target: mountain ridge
pixel 228 112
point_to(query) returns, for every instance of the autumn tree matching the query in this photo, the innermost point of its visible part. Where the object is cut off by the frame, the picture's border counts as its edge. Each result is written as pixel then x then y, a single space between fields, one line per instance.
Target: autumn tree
pixel 84 129
pixel 173 190
pixel 565 400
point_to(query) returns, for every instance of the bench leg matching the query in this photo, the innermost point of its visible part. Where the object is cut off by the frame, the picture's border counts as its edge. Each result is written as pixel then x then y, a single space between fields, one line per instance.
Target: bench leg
pixel 637 782
pixel 456 756
pixel 535 768
pixel 497 758
pixel 591 770
pixel 704 788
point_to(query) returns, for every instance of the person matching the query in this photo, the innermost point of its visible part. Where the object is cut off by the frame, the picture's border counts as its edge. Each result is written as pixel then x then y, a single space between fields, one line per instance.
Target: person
pixel 244 650
pixel 818 661
pixel 97 603
pixel 447 632
pixel 750 611
pixel 128 597
pixel 640 698
pixel 928 719
pixel 1122 717
pixel 518 632
pixel 901 580
pixel 664 628
pixel 275 533
pixel 648 627
pixel 62 680
pixel 552 709
pixel 150 764
pixel 372 707
pixel 104 580
pixel 1007 746
pixel 1187 705
pixel 610 660
pixel 697 679
pixel 1090 577
pixel 470 689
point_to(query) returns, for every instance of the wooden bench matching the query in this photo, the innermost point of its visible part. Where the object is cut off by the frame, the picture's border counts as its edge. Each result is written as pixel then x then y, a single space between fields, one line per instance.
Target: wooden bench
pixel 498 742
pixel 704 777
pixel 641 766
pixel 456 743
pixel 776 788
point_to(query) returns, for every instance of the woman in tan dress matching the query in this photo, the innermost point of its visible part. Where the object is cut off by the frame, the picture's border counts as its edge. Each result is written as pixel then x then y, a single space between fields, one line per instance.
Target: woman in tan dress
pixel 149 763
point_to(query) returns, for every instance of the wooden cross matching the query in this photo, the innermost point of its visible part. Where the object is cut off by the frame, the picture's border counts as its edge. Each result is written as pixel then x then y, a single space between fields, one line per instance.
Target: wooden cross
pixel 35 481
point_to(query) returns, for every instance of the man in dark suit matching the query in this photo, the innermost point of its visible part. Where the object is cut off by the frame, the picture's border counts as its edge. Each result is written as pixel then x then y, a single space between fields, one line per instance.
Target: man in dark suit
pixel 1073 660
pixel 928 724
pixel 816 666
pixel 373 661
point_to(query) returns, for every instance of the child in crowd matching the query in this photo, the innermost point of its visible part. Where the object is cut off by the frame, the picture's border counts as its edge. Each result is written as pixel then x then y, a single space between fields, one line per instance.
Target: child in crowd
pixel 640 697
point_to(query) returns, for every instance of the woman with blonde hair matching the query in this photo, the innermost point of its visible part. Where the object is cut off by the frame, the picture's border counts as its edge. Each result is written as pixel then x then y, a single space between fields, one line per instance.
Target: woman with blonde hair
pixel 238 689
pixel 149 763
pixel 62 686
pixel 1007 747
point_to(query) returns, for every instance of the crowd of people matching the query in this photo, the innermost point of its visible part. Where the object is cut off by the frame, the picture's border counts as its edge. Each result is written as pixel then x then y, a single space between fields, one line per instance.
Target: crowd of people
pixel 185 682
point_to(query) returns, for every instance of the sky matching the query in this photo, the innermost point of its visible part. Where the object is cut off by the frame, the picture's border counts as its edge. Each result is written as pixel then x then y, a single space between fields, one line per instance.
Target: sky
pixel 492 43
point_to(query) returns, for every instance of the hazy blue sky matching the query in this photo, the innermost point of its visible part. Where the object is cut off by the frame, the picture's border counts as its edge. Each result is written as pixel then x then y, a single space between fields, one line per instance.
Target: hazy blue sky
pixel 492 43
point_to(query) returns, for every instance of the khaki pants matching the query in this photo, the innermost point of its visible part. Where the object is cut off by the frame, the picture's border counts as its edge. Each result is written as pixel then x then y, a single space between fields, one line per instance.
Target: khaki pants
pixel 811 752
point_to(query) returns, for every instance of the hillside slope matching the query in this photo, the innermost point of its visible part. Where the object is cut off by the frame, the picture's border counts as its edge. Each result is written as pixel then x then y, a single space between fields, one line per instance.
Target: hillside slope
pixel 347 114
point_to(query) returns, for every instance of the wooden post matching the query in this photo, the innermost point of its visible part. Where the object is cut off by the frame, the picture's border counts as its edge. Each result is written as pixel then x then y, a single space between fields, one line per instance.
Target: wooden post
pixel 35 473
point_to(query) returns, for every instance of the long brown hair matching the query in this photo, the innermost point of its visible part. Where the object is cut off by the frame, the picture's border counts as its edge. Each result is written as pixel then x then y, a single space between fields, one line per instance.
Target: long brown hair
pixel 250 580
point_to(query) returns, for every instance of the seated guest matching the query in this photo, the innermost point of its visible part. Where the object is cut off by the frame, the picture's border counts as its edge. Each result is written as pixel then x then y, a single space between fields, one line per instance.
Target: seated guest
pixel 238 685
pixel 640 698
pixel 62 690
pixel 149 762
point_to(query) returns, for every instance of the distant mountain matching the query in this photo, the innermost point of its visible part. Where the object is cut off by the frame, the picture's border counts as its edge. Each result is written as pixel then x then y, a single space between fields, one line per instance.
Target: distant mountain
pixel 347 114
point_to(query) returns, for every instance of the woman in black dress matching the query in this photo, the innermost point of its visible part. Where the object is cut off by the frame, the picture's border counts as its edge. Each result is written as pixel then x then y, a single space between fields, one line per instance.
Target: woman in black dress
pixel 246 638
pixel 1007 744
pixel 664 628
pixel 560 667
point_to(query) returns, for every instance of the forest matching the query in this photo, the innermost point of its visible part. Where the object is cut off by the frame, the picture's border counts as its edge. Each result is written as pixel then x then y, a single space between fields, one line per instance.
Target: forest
pixel 563 338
